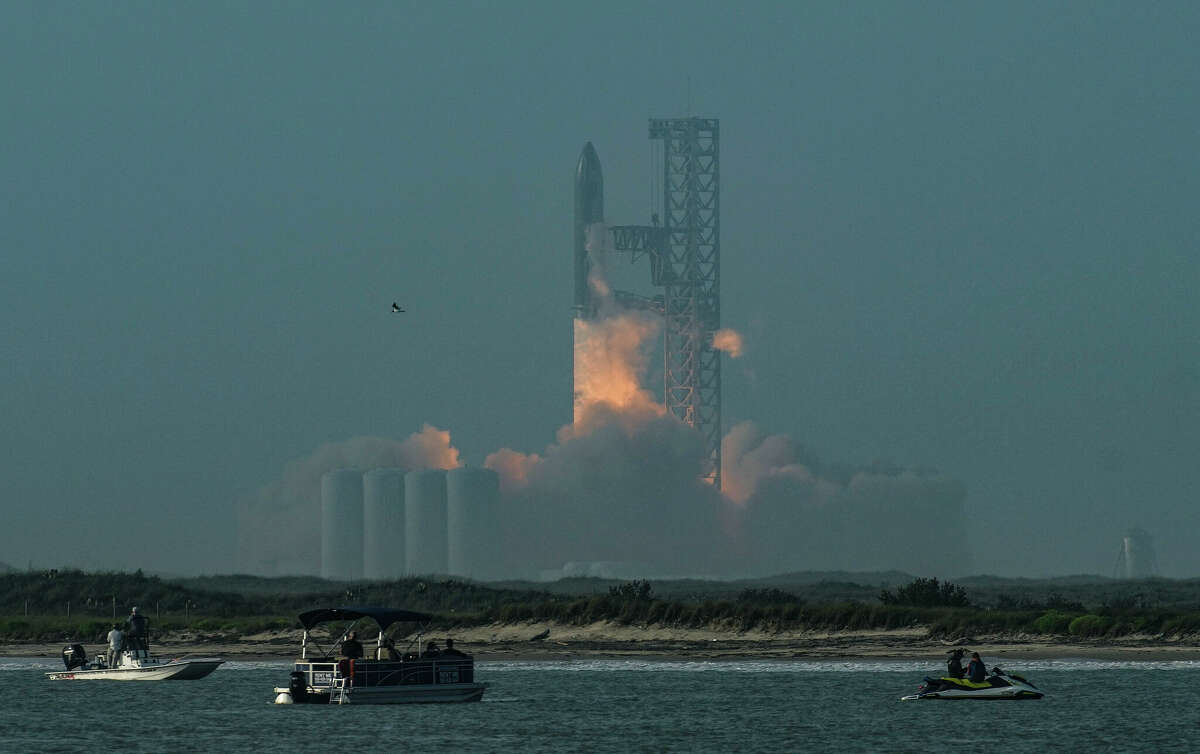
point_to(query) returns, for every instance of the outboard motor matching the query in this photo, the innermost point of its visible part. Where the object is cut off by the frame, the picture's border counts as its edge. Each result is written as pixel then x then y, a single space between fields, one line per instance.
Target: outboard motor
pixel 74 656
pixel 298 687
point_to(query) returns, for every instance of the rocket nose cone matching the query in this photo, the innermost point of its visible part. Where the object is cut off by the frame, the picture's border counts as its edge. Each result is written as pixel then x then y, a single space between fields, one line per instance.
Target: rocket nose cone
pixel 588 167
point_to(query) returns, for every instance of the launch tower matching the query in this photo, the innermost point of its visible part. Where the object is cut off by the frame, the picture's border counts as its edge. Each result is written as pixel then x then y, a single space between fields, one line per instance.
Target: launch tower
pixel 684 248
pixel 690 261
pixel 1136 559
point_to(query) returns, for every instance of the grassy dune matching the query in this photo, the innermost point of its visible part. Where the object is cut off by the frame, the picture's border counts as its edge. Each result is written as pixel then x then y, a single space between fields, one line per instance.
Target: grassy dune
pixel 34 605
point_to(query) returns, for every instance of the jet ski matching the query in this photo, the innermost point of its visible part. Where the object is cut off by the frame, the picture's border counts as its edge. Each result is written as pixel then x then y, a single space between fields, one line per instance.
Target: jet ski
pixel 999 685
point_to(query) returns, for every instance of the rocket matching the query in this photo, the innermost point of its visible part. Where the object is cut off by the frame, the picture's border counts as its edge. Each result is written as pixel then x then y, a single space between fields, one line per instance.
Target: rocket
pixel 589 209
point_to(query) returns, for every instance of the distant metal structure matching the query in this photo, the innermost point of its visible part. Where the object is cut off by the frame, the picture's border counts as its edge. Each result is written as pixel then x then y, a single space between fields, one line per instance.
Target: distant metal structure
pixel 1136 560
pixel 685 261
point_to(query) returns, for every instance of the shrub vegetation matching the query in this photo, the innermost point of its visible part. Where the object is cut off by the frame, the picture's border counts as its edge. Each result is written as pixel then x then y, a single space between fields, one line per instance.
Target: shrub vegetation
pixel 56 605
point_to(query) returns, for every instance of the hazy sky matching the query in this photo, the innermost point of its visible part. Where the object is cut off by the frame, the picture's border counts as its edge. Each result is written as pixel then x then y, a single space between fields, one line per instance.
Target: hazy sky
pixel 956 235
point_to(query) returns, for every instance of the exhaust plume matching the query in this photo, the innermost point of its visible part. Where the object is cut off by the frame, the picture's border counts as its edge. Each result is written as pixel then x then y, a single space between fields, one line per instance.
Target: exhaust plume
pixel 610 360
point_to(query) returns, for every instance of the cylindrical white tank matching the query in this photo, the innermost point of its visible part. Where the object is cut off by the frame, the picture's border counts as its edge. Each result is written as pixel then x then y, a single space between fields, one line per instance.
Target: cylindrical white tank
pixel 425 522
pixel 472 506
pixel 342 524
pixel 383 524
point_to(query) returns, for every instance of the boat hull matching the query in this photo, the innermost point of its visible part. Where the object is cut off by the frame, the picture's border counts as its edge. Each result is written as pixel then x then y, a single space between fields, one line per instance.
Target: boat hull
pixel 433 693
pixel 185 670
pixel 1010 694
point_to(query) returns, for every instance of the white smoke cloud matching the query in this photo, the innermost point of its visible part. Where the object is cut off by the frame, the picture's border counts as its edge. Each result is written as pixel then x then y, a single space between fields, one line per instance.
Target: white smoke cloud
pixel 730 341
pixel 800 517
pixel 748 456
pixel 625 491
pixel 622 484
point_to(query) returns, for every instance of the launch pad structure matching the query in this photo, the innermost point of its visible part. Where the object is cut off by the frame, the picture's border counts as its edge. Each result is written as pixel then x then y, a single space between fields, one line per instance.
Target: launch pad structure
pixel 684 251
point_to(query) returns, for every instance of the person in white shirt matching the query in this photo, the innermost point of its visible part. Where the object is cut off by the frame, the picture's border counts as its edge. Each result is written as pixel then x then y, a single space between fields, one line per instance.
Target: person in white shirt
pixel 115 639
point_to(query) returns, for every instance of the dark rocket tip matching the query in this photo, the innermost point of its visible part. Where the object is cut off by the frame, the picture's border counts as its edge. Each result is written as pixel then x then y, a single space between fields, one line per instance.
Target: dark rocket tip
pixel 588 167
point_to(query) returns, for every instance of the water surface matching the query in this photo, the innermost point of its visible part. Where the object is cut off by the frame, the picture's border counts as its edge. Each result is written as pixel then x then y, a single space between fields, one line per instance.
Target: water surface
pixel 617 705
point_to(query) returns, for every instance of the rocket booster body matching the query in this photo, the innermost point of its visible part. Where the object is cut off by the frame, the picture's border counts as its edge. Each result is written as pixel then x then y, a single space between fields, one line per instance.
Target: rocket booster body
pixel 589 209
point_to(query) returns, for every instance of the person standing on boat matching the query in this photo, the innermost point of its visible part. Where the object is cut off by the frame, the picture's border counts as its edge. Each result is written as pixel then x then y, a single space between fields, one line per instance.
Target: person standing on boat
pixel 138 631
pixel 451 651
pixel 115 638
pixel 351 648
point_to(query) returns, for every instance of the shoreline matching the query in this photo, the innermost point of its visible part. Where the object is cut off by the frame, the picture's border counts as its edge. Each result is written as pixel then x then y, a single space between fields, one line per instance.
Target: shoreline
pixel 606 640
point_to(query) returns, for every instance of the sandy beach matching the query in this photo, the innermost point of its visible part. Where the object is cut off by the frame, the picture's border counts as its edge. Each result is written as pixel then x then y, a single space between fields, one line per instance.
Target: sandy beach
pixel 615 641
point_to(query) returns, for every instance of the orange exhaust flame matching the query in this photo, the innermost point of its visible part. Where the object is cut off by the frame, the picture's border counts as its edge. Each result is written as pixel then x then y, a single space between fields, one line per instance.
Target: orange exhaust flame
pixel 610 360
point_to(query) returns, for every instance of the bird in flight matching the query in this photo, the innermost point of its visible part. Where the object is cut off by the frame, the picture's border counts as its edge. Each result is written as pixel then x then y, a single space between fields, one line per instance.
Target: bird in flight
pixel 396 308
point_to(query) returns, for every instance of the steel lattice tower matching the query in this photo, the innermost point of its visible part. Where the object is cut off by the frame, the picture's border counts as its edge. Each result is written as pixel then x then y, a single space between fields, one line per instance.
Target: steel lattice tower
pixel 690 260
pixel 685 261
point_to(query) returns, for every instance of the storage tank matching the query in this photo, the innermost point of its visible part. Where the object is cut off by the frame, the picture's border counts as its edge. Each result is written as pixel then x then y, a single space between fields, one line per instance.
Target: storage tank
pixel 383 524
pixel 342 524
pixel 424 522
pixel 472 507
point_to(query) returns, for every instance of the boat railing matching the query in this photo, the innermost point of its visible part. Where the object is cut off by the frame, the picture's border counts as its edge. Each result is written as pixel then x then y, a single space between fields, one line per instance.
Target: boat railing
pixel 425 670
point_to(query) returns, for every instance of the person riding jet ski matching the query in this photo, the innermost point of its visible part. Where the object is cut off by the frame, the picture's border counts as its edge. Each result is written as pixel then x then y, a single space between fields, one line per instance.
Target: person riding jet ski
pixel 976 670
pixel 954 667
pixel 999 685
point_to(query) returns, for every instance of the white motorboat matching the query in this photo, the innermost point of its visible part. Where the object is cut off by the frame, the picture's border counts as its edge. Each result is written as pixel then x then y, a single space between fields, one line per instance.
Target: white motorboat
pixel 132 665
pixel 385 677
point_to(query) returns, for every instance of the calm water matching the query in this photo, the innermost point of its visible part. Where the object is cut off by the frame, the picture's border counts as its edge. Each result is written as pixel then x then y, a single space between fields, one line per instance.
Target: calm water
pixel 612 705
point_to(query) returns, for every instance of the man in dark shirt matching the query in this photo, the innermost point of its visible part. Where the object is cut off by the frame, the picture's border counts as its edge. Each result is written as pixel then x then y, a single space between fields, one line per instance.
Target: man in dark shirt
pixel 351 649
pixel 954 666
pixel 450 651
pixel 137 632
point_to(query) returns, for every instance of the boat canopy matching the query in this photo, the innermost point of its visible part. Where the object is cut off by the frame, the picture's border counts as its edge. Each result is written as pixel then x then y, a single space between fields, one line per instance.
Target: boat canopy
pixel 384 616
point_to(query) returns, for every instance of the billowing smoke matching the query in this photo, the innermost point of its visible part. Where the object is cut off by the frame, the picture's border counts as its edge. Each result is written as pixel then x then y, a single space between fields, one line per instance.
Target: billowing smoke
pixel 622 484
pixel 799 515
pixel 627 489
pixel 597 246
pixel 279 527
pixel 730 341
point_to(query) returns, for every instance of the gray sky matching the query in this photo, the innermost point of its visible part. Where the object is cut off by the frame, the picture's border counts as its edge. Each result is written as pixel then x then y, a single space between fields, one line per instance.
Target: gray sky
pixel 956 235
